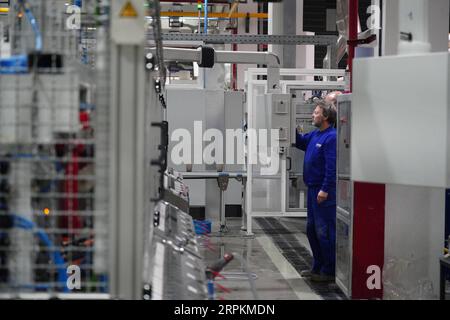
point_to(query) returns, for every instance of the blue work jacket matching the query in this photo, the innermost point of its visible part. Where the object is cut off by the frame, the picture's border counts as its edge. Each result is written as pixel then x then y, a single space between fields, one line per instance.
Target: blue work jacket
pixel 319 168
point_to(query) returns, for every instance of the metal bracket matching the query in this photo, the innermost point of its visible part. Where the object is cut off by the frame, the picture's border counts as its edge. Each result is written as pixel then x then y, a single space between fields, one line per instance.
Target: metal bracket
pixel 368 40
pixel 222 181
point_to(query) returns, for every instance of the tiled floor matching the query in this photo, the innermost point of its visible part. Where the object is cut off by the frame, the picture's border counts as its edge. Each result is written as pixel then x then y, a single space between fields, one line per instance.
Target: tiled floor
pixel 275 256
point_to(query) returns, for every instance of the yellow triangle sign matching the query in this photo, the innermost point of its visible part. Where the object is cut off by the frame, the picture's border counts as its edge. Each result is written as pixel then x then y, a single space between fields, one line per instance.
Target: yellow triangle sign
pixel 128 11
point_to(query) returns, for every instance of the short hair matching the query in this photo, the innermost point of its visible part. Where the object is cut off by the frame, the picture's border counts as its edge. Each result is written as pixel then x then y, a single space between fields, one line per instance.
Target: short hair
pixel 329 111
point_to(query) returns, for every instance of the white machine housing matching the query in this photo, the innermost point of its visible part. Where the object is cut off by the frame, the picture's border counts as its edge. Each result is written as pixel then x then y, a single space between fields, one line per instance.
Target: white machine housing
pixel 401 131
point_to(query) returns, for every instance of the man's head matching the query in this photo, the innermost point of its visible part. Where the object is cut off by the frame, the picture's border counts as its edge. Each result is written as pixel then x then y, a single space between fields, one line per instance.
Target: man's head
pixel 324 115
pixel 331 98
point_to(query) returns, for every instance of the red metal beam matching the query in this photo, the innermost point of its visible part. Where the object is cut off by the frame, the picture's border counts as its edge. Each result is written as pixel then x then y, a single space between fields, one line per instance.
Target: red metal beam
pixel 352 35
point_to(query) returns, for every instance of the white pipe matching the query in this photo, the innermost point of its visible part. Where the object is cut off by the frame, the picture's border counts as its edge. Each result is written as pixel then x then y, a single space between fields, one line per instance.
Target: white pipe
pixel 244 57
pixel 248 57
pixel 239 57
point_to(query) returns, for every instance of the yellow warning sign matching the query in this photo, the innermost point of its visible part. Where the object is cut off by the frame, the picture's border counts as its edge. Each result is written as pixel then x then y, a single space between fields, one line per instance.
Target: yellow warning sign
pixel 128 11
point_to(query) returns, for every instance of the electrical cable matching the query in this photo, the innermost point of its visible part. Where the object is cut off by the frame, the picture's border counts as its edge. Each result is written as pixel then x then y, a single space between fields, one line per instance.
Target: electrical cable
pixel 25 224
pixel 34 25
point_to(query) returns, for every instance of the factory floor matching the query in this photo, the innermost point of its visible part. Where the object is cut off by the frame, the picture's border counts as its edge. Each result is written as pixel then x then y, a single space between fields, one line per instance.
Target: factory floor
pixel 274 258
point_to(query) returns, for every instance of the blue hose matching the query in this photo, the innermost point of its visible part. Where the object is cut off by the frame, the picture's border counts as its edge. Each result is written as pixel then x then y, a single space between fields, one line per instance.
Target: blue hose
pixel 56 256
pixel 206 17
pixel 34 25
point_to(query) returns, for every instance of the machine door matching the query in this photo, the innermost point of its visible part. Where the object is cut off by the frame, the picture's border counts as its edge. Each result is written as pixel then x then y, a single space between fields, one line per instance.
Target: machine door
pixel 296 188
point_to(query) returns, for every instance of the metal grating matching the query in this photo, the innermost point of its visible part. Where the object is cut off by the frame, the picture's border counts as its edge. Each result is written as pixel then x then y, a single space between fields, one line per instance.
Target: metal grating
pixel 54 158
pixel 323 40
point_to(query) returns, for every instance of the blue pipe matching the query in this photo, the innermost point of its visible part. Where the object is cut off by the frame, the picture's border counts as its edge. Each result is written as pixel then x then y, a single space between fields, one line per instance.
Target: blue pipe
pixel 34 25
pixel 206 18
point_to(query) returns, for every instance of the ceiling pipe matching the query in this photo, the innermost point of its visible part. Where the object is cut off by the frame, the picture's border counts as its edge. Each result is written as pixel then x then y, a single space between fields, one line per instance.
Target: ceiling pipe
pixel 239 57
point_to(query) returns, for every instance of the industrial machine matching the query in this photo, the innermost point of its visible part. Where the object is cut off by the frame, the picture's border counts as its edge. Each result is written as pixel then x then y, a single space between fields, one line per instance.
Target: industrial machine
pixel 277 111
pixel 359 220
pixel 88 205
pixel 288 110
pixel 391 199
pixel 173 264
pixel 176 192
pixel 52 204
pixel 93 204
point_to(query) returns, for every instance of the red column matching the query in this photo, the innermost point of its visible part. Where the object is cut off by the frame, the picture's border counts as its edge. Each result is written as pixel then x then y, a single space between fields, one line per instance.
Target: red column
pixel 352 35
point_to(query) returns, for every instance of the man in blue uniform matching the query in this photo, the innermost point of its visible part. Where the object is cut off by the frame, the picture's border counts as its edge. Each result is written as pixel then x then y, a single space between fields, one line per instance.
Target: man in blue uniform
pixel 319 175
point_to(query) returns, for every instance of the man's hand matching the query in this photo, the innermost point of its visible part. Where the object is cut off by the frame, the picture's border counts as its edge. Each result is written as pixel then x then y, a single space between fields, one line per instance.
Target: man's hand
pixel 321 197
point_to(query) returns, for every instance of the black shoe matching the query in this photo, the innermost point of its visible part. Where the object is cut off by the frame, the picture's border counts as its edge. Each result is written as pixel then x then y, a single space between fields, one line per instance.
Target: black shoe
pixel 307 273
pixel 322 278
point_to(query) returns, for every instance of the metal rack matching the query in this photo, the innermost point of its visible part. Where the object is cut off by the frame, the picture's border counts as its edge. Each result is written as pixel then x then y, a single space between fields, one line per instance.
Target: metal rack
pixel 53 205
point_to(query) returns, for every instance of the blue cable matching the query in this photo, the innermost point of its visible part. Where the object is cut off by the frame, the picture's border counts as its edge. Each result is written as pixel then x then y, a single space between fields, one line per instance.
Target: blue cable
pixel 103 279
pixel 56 256
pixel 206 17
pixel 34 25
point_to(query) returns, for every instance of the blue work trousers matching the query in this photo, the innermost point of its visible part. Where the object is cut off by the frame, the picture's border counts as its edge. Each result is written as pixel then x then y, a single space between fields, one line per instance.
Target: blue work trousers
pixel 321 232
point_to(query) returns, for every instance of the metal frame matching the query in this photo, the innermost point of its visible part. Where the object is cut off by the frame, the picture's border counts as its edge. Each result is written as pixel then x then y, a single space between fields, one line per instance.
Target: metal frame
pixel 221 177
pixel 329 41
pixel 51 103
pixel 324 40
pixel 286 87
pixel 127 170
pixel 273 74
pixel 127 155
pixel 342 214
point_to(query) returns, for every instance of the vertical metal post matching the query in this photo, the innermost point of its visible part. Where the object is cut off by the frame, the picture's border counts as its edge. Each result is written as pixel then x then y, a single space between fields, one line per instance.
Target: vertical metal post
pixel 221 211
pixel 206 17
pixel 332 57
pixel 284 181
pixel 128 115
